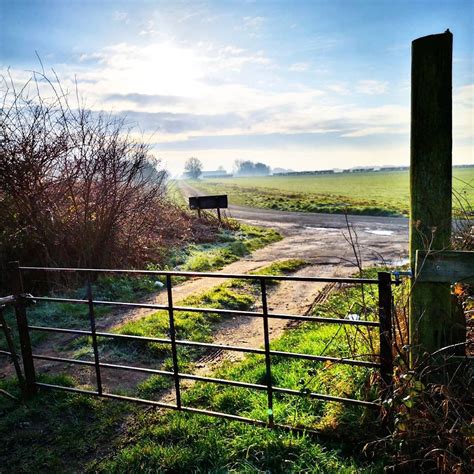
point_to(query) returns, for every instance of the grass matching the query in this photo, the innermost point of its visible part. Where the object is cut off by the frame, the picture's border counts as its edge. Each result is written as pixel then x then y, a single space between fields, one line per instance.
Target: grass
pixel 370 193
pixel 174 194
pixel 56 431
pixel 175 442
pixel 138 440
pixel 229 247
pixel 233 294
pixel 71 315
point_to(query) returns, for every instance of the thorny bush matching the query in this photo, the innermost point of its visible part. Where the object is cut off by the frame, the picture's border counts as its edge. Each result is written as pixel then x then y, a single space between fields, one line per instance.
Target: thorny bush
pixel 76 189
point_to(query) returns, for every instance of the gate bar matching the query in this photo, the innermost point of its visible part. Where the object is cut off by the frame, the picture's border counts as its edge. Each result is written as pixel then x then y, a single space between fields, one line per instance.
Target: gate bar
pixel 240 276
pixel 174 350
pixel 266 338
pixel 94 337
pixel 190 309
pixel 235 383
pixel 187 409
pixel 250 350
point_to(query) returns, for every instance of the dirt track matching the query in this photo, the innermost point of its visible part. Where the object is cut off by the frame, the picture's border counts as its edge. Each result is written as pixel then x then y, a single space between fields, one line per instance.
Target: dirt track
pixel 322 240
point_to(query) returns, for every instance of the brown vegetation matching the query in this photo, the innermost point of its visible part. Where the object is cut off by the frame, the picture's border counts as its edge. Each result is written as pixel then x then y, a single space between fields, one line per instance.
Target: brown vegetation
pixel 76 189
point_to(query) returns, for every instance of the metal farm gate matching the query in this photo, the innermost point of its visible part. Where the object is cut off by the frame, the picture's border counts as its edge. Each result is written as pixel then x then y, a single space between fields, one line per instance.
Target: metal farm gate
pixel 20 300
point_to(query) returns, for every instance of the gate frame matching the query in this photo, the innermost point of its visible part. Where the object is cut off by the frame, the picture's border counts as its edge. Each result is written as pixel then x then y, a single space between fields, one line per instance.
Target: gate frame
pixel 385 307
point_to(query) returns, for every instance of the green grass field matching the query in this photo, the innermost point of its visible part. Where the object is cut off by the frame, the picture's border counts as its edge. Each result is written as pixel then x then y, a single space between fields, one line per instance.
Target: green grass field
pixel 371 193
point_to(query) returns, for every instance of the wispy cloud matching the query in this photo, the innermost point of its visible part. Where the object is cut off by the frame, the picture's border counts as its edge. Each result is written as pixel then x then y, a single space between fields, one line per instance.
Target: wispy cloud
pixel 121 16
pixel 299 67
pixel 463 114
pixel 372 87
pixel 144 99
pixel 148 29
pixel 251 25
pixel 185 91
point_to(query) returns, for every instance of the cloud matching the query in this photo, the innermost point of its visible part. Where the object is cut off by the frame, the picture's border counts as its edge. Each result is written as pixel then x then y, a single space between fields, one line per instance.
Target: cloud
pixel 372 87
pixel 148 29
pixel 179 92
pixel 318 44
pixel 91 57
pixel 252 25
pixel 339 88
pixel 253 22
pixel 364 132
pixel 145 99
pixel 463 113
pixel 177 123
pixel 299 67
pixel 120 16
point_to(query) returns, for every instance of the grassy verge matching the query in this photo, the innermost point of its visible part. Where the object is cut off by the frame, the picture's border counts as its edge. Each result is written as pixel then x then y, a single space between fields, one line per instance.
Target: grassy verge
pixel 175 195
pixel 155 441
pixel 228 247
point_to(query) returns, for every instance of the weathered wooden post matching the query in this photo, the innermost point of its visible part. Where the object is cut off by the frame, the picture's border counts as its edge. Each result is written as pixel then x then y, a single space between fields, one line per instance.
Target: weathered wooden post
pixel 430 184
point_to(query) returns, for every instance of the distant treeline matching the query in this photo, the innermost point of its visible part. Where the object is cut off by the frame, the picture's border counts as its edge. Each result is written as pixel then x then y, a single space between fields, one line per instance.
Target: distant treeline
pixel 354 170
pixel 249 168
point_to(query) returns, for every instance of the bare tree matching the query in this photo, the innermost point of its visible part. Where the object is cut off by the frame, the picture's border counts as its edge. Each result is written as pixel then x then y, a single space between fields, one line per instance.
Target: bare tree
pixel 193 168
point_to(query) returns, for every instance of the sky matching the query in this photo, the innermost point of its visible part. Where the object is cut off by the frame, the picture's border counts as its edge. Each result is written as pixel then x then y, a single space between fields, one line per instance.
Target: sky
pixel 295 84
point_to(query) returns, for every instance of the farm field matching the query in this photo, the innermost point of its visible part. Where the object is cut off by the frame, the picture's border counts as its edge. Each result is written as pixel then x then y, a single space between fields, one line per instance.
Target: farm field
pixel 371 193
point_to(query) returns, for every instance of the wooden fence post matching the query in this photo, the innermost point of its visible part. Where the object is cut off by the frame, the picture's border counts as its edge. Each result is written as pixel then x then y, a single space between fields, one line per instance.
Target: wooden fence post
pixel 386 335
pixel 430 185
pixel 23 332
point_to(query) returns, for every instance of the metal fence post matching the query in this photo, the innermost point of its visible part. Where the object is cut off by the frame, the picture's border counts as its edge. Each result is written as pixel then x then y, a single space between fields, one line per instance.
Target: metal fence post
pixel 90 303
pixel 173 340
pixel 11 348
pixel 385 316
pixel 23 331
pixel 266 336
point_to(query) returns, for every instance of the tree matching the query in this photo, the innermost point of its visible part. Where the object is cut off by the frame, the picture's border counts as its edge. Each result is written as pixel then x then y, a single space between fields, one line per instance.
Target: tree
pixel 249 168
pixel 261 169
pixel 193 168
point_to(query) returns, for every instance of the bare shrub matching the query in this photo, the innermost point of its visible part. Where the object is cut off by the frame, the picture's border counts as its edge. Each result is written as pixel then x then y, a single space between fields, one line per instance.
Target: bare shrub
pixel 75 188
pixel 430 407
pixel 463 235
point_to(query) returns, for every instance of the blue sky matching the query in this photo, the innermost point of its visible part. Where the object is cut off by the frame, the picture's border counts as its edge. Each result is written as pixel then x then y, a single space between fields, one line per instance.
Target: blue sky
pixel 296 84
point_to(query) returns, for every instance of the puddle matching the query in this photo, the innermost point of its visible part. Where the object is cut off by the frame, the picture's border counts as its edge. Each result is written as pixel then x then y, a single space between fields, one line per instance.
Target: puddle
pixel 379 231
pixel 399 262
pixel 323 229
